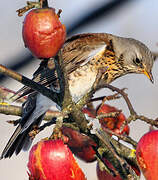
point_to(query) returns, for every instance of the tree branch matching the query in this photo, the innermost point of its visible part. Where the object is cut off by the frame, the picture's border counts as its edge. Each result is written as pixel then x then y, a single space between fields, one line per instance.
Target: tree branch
pixel 17 111
pixel 6 93
pixel 110 151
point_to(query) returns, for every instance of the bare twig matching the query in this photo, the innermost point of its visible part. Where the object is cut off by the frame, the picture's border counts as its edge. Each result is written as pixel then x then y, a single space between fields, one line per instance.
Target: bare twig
pixel 10 110
pixel 17 111
pixel 108 115
pixel 6 93
pixel 122 137
pixel 68 106
pixel 106 98
pixel 30 5
pixel 120 91
pixel 147 120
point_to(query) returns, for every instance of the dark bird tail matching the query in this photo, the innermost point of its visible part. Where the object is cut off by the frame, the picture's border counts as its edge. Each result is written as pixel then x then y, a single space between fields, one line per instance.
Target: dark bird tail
pixel 33 110
pixel 20 140
pixel 11 142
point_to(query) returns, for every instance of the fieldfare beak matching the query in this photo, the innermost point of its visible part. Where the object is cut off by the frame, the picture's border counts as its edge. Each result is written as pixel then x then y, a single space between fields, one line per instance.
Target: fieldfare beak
pixel 149 75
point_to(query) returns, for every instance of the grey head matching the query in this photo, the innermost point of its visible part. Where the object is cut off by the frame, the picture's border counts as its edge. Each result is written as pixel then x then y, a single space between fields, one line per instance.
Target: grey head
pixel 134 56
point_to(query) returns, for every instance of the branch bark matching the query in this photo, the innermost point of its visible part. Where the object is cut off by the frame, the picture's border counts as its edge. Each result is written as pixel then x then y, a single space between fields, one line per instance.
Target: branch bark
pixel 17 111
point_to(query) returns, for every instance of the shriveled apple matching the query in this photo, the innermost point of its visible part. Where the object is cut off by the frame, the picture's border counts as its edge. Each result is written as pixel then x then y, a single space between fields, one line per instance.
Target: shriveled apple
pixel 80 144
pixel 113 124
pixel 43 33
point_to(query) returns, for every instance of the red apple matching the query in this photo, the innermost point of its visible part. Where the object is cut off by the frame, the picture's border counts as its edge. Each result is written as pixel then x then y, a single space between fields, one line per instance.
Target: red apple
pixel 80 144
pixel 43 32
pixel 113 124
pixel 147 155
pixel 53 160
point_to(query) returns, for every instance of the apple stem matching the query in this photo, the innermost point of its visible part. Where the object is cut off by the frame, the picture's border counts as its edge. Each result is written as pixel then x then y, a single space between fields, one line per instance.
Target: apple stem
pixel 59 12
pixel 43 3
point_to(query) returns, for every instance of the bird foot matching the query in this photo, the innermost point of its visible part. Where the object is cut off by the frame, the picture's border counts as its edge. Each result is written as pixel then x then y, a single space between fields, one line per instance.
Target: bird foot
pixel 34 132
pixel 57 134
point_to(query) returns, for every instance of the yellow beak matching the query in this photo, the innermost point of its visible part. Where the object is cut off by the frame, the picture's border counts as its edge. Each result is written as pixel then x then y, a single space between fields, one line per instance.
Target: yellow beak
pixel 149 75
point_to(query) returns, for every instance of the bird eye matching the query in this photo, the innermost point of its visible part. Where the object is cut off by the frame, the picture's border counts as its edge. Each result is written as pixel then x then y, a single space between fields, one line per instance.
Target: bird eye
pixel 137 61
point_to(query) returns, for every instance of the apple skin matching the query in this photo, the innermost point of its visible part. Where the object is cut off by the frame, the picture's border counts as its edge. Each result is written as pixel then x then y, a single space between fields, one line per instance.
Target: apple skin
pixel 53 160
pixel 43 32
pixel 147 155
pixel 80 144
pixel 113 124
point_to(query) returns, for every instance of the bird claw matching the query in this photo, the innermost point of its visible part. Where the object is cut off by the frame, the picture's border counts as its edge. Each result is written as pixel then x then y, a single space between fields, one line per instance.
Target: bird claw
pixel 57 134
pixel 34 132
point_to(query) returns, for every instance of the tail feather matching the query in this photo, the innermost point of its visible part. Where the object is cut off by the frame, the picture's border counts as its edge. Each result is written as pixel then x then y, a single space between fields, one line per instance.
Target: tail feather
pixel 33 109
pixel 11 143
pixel 20 140
pixel 25 140
pixel 12 149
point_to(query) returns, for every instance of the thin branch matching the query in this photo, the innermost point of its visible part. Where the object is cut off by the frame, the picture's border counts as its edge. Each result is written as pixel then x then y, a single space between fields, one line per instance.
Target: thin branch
pixel 30 5
pixel 108 115
pixel 68 106
pixel 6 93
pixel 122 137
pixel 120 91
pixel 147 120
pixel 106 98
pixel 17 111
pixel 10 110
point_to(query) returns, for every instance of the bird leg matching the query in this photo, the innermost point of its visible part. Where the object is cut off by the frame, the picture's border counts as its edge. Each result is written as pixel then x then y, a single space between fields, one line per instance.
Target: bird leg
pixel 34 132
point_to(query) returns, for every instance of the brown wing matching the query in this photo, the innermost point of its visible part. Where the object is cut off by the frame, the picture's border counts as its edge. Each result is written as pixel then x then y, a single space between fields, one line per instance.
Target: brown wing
pixel 79 49
pixel 44 75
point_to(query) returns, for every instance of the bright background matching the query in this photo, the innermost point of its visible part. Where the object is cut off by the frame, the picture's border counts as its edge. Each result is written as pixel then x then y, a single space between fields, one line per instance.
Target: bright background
pixel 135 18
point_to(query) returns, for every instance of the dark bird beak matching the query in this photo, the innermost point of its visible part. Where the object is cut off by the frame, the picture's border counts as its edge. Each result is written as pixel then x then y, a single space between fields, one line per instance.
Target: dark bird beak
pixel 149 75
